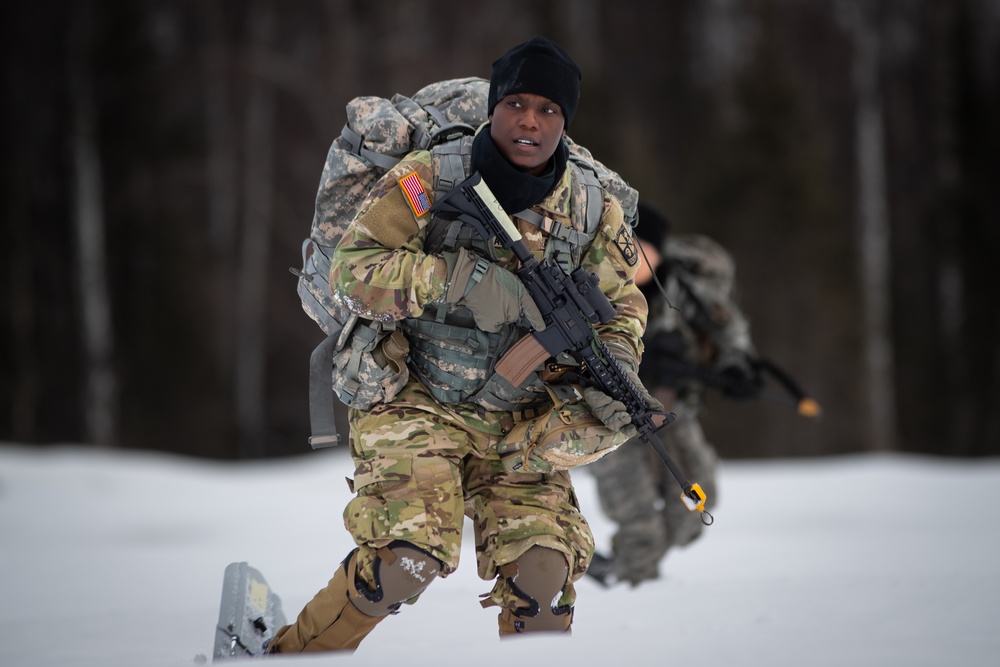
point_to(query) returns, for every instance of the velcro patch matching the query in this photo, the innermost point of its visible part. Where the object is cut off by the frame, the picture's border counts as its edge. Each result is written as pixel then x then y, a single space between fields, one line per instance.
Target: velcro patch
pixel 626 245
pixel 415 193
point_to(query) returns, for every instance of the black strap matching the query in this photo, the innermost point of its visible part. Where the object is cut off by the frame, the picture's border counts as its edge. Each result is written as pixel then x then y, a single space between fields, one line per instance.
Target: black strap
pixel 321 418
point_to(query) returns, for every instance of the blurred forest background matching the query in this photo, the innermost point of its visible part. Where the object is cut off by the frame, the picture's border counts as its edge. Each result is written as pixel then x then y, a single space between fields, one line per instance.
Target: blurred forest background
pixel 161 158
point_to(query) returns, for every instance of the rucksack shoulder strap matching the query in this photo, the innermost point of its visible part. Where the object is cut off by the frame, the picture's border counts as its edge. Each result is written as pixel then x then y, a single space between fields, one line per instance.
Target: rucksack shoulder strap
pixel 450 162
pixel 595 192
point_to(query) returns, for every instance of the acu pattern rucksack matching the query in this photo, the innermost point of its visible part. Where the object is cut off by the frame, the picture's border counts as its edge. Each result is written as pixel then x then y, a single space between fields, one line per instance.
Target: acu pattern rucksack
pixel 379 132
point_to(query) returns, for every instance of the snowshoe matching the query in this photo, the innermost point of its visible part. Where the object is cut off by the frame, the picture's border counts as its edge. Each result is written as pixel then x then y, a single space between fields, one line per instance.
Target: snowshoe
pixel 249 614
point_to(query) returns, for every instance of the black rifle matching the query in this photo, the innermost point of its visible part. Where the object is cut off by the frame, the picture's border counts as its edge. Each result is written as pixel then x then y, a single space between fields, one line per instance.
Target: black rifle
pixel 669 366
pixel 805 405
pixel 570 304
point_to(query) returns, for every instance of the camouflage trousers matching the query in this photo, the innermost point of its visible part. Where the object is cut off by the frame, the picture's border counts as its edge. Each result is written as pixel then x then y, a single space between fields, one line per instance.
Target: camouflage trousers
pixel 639 494
pixel 422 467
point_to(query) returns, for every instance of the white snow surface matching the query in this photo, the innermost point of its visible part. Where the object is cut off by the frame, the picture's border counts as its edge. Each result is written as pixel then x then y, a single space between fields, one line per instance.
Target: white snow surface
pixel 117 558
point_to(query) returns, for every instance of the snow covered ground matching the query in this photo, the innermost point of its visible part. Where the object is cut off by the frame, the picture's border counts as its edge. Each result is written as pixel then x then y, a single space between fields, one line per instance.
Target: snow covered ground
pixel 111 558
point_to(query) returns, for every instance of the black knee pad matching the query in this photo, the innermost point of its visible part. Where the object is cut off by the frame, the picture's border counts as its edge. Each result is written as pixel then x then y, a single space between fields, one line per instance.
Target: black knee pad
pixel 402 572
pixel 539 579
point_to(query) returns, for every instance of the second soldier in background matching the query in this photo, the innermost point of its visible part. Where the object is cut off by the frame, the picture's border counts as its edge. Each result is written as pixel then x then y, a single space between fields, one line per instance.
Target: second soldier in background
pixel 695 333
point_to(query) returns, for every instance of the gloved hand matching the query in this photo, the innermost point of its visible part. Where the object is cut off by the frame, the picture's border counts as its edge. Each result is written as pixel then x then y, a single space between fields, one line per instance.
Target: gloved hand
pixel 739 377
pixel 611 412
pixel 493 294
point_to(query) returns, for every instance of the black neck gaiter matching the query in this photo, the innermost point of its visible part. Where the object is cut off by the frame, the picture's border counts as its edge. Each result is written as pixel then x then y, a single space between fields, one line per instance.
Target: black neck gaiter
pixel 516 190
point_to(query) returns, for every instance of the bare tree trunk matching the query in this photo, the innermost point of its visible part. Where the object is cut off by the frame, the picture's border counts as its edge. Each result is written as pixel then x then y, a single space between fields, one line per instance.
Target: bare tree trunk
pixel 19 263
pixel 991 432
pixel 223 189
pixel 101 397
pixel 346 36
pixel 727 41
pixel 952 289
pixel 221 143
pixel 874 221
pixel 583 33
pixel 18 256
pixel 257 197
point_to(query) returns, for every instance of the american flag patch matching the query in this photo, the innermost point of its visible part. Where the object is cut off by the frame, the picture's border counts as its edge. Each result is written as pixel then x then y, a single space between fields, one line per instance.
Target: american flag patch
pixel 415 194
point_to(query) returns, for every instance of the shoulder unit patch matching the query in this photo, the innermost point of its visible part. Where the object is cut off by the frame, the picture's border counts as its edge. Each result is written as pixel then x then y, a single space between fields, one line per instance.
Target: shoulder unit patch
pixel 415 193
pixel 626 244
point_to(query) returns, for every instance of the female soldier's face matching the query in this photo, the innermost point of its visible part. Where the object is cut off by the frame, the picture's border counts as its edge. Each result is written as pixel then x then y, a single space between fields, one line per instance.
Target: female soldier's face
pixel 527 129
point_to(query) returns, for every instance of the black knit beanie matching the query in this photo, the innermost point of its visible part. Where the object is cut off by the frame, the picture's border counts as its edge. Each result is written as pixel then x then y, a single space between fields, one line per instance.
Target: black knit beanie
pixel 537 67
pixel 652 226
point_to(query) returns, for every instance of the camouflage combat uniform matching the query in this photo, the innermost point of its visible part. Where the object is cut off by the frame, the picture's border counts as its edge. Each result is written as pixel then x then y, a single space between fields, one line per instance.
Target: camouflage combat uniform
pixel 636 491
pixel 422 463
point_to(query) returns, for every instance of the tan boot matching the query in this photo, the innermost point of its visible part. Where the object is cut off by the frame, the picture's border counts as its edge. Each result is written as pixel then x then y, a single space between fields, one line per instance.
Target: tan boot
pixel 329 622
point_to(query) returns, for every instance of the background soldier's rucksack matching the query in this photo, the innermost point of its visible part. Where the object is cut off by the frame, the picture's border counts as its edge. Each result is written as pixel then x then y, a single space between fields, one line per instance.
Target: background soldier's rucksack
pixel 378 134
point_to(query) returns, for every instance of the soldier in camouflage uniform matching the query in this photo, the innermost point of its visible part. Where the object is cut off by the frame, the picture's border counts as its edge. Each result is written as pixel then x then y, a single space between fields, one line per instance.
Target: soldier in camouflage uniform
pixel 704 336
pixel 427 456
